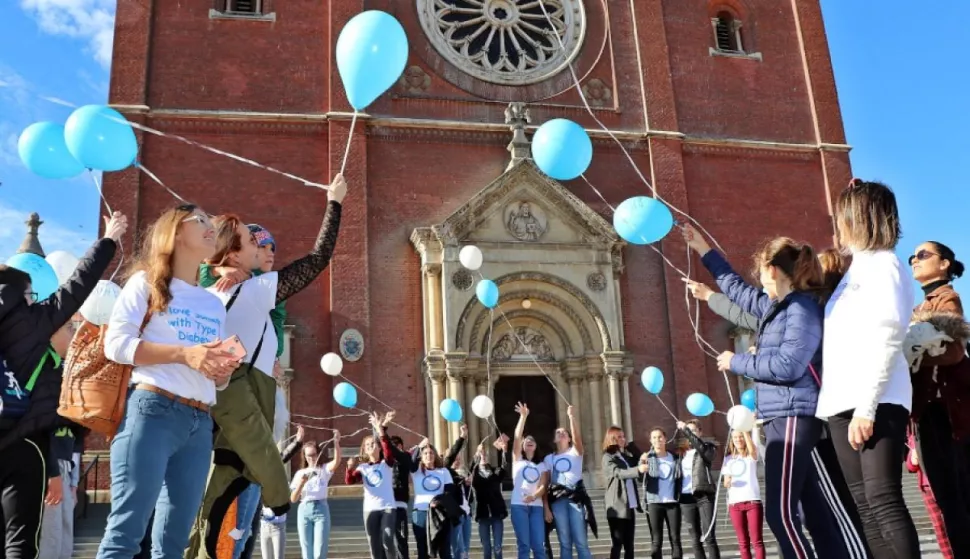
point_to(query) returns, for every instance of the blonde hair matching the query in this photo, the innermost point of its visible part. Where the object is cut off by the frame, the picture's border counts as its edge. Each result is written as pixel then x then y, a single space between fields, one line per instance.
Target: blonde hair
pixel 228 240
pixel 732 450
pixel 867 217
pixel 157 253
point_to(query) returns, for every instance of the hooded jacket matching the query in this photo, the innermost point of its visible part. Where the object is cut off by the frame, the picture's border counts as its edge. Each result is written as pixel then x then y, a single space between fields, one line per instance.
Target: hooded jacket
pixel 946 381
pixel 25 334
pixel 787 366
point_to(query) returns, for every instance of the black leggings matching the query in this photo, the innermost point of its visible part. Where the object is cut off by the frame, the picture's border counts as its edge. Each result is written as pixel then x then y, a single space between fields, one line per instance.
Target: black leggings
pixel 379 527
pixel 939 458
pixel 698 512
pixel 621 534
pixel 23 483
pixel 874 476
pixel 657 514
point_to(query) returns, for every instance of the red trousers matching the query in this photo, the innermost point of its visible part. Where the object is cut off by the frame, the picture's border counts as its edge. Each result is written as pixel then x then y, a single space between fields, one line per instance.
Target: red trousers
pixel 748 519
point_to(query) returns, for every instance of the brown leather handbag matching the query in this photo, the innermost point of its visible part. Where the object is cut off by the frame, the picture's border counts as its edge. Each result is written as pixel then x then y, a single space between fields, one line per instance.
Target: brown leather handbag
pixel 94 389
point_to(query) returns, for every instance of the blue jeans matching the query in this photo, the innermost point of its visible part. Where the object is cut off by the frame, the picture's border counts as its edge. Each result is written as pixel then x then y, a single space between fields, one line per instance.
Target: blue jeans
pixel 570 522
pixel 159 461
pixel 491 532
pixel 461 536
pixel 313 523
pixel 529 525
pixel 246 505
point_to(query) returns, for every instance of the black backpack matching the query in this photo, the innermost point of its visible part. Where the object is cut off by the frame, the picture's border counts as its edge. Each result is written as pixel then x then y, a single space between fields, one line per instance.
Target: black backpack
pixel 15 388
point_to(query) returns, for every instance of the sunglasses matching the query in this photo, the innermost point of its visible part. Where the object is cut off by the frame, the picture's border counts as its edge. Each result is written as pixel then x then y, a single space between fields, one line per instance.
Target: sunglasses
pixel 202 219
pixel 32 295
pixel 921 256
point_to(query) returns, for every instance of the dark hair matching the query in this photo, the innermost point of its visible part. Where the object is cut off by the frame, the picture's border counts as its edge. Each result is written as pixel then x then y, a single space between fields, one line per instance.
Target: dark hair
pixel 397 441
pixel 795 260
pixel 661 429
pixel 946 253
pixel 14 277
pixel 306 445
pixel 867 217
pixel 693 422
pixel 610 440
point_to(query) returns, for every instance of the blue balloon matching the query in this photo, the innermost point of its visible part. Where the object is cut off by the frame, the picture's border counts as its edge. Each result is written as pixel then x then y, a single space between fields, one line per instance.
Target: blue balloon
pixel 345 395
pixel 43 151
pixel 749 399
pixel 101 138
pixel 562 149
pixel 700 405
pixel 642 220
pixel 652 379
pixel 487 293
pixel 372 52
pixel 450 410
pixel 43 280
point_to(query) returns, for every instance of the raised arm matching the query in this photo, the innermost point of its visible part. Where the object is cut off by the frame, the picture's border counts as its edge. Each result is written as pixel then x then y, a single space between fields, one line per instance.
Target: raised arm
pixel 574 429
pixel 751 299
pixel 612 470
pixel 502 444
pixel 332 466
pixel 723 307
pixel 452 454
pixel 296 275
pixel 705 449
pixel 801 340
pixel 523 411
pixel 752 448
pixel 351 475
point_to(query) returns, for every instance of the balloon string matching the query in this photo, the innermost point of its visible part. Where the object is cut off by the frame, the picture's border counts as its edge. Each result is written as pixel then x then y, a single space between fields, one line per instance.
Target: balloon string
pixel 350 137
pixel 372 397
pixel 121 247
pixel 662 403
pixel 589 109
pixel 155 178
pixel 717 494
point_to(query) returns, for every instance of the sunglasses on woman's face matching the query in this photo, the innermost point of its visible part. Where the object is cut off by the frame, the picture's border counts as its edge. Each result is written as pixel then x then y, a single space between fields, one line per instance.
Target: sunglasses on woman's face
pixel 921 256
pixel 202 219
pixel 31 296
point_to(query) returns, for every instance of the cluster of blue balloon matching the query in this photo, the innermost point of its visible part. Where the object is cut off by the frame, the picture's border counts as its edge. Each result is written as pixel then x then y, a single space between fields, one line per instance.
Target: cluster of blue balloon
pixel 698 404
pixel 563 150
pixel 749 399
pixel 94 137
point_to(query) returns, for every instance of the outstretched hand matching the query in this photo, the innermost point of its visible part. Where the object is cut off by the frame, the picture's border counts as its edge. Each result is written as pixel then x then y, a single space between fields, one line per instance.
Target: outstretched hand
pixel 695 240
pixel 115 226
pixel 700 291
pixel 338 189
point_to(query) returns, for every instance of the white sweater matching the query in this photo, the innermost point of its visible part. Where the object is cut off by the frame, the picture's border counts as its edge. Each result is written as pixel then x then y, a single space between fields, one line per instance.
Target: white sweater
pixel 866 319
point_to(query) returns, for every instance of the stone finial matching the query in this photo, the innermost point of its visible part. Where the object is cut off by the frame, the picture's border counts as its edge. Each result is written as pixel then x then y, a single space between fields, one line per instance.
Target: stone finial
pixel 31 243
pixel 517 117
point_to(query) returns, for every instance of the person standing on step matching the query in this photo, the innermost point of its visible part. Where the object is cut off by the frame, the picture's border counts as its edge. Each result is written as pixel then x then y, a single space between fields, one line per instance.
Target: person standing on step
pixel 402 490
pixel 375 470
pixel 431 477
pixel 490 509
pixel 662 484
pixel 310 488
pixel 272 528
pixel 530 479
pixel 623 477
pixel 698 493
pixel 571 507
pixel 744 494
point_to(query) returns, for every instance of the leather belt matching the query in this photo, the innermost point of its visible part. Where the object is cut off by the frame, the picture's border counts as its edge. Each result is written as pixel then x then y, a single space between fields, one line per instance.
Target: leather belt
pixel 161 392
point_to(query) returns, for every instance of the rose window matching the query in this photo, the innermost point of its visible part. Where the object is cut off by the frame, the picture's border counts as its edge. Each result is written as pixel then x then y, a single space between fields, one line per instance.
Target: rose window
pixel 509 42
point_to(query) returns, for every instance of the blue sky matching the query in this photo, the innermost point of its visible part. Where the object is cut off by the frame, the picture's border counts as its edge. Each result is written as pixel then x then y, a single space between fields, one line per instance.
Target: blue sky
pixel 901 74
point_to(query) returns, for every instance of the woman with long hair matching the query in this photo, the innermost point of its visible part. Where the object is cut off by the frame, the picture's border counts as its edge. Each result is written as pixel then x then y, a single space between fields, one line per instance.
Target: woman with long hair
pixel 939 396
pixel 32 370
pixel 662 484
pixel 785 367
pixel 867 393
pixel 272 528
pixel 699 490
pixel 623 475
pixel 170 329
pixel 245 441
pixel 431 477
pixel 310 487
pixel 375 469
pixel 530 479
pixel 744 494
pixel 568 501
pixel 490 509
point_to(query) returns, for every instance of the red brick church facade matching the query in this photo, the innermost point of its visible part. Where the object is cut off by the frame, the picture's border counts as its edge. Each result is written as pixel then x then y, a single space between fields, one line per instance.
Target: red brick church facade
pixel 728 106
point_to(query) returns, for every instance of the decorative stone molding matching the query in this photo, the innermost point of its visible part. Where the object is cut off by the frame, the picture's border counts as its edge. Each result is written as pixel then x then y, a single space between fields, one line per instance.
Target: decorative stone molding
pixel 431 270
pixel 598 93
pixel 525 221
pixel 545 319
pixel 528 341
pixel 508 42
pixel 616 260
pixel 269 127
pixel 462 280
pixel 414 81
pixel 517 117
pixel 596 281
pixel 533 295
pixel 749 152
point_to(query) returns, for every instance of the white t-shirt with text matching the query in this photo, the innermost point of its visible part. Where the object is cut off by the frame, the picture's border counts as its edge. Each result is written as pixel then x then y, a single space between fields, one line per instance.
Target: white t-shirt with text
pixel 744 479
pixel 565 468
pixel 428 484
pixel 525 481
pixel 378 480
pixel 249 318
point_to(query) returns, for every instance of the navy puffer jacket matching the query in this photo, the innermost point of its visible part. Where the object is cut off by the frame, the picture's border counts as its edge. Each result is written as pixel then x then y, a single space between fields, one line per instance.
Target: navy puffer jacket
pixel 788 363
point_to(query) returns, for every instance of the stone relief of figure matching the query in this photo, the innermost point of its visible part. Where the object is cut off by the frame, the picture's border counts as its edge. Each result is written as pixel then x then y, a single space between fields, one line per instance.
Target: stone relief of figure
pixel 523 225
pixel 524 342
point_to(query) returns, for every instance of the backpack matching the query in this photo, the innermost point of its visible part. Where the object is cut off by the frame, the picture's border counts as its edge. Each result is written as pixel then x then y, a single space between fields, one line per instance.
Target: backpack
pixel 94 389
pixel 14 396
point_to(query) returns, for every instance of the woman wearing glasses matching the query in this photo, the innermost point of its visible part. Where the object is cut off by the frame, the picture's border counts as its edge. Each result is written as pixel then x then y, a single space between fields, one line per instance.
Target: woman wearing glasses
pixel 939 398
pixel 170 329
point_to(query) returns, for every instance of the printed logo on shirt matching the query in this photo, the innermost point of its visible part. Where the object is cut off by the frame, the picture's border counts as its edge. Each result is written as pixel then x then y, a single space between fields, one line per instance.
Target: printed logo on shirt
pixel 666 470
pixel 374 478
pixel 431 482
pixel 737 467
pixel 562 465
pixel 192 326
pixel 531 474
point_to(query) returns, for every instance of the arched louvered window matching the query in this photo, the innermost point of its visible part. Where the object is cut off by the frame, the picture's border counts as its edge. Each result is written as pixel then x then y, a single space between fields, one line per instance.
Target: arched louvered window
pixel 727 33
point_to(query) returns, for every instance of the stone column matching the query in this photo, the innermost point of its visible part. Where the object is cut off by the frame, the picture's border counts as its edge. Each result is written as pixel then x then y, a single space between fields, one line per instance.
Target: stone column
pixel 613 366
pixel 625 393
pixel 437 429
pixel 455 366
pixel 432 287
pixel 473 435
pixel 594 372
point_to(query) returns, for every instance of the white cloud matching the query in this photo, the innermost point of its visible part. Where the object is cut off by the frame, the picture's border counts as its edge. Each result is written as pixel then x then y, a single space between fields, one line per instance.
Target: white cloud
pixel 8 144
pixel 88 20
pixel 53 236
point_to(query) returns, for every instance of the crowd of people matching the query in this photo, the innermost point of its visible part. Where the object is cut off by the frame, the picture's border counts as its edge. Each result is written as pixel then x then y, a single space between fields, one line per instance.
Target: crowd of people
pixel 852 384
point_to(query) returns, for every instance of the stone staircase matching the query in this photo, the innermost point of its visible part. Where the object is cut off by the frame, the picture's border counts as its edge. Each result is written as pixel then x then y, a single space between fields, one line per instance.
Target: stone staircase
pixel 347 540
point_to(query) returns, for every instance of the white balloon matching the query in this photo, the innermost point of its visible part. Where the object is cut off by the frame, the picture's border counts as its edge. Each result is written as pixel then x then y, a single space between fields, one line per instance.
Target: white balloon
pixel 97 308
pixel 471 257
pixel 63 263
pixel 482 406
pixel 332 364
pixel 741 419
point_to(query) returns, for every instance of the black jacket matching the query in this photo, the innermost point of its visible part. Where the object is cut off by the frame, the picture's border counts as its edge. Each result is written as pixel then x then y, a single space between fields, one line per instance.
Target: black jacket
pixel 403 466
pixel 25 334
pixel 702 480
pixel 487 486
pixel 443 515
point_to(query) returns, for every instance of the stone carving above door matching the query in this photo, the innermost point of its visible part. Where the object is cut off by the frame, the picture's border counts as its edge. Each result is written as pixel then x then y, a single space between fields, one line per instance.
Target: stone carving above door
pixel 522 344
pixel 526 221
